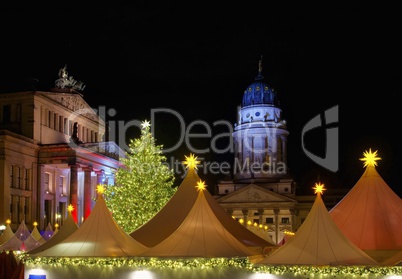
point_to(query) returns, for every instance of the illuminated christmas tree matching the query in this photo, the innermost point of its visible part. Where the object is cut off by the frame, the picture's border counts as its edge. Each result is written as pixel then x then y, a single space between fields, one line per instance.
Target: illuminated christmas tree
pixel 143 186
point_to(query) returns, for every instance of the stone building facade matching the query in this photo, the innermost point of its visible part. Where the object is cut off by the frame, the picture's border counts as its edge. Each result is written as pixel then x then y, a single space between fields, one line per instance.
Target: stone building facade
pixel 52 154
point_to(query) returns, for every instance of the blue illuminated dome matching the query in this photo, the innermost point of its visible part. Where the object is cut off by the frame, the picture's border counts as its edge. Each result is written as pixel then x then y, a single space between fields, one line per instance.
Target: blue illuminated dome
pixel 259 92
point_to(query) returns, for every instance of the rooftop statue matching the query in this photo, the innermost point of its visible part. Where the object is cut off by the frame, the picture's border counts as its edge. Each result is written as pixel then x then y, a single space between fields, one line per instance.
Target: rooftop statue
pixel 68 82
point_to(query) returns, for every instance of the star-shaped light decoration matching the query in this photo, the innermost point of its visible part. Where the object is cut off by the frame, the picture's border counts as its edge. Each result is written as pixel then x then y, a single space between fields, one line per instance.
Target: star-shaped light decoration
pixel 35 223
pixel 8 221
pixel 70 208
pixel 370 158
pixel 145 124
pixel 319 188
pixel 201 185
pixel 191 162
pixel 100 189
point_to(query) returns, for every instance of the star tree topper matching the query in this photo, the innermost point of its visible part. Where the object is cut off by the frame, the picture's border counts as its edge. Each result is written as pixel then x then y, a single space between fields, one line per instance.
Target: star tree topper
pixel 145 124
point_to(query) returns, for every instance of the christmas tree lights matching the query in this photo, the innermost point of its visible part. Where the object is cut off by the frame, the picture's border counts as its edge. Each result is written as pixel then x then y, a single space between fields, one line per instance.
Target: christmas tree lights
pixel 143 186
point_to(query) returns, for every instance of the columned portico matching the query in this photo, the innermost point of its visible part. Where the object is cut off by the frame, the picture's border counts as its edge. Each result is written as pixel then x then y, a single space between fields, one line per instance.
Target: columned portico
pixel 88 191
pixel 276 212
pixel 74 191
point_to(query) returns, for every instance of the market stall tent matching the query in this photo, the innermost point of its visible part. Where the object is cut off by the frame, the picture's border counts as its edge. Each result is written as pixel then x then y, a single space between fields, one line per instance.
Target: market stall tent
pixel 318 241
pixel 22 240
pixel 68 228
pixel 7 233
pixel 98 236
pixel 200 235
pixel 370 214
pixel 175 212
pixel 36 234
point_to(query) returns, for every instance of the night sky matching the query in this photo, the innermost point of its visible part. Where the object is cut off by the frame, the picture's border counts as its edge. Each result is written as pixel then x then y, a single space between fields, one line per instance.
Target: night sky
pixel 198 61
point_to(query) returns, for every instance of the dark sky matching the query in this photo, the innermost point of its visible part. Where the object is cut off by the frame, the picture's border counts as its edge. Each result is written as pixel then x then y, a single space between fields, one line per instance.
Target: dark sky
pixel 198 61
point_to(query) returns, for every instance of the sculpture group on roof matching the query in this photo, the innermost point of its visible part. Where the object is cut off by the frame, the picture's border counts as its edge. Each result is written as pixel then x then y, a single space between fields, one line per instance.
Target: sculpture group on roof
pixel 68 82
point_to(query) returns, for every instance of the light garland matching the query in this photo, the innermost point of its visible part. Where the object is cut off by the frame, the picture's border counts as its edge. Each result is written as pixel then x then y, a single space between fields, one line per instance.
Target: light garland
pixel 151 263
pixel 330 270
pixel 207 263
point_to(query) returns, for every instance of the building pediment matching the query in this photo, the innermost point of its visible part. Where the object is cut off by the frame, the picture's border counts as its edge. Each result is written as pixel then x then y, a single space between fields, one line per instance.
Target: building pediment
pixel 254 194
pixel 74 102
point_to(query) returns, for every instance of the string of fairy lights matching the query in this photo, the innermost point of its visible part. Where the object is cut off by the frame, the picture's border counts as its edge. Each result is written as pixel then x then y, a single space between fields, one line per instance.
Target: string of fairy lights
pixel 244 264
pixel 204 263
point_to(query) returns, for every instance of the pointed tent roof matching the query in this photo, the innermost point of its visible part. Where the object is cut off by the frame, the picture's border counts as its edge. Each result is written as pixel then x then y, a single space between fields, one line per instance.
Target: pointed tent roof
pixel 36 234
pixel 370 214
pixel 318 241
pixel 173 214
pixel 98 236
pixel 200 235
pixel 21 240
pixel 7 234
pixel 68 228
pixel 48 233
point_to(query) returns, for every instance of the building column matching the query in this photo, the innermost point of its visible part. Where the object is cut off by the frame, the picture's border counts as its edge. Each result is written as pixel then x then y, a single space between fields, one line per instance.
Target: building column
pixel 245 215
pixel 276 211
pixel 294 213
pixel 41 198
pixel 260 215
pixel 74 191
pixel 87 192
pixel 100 177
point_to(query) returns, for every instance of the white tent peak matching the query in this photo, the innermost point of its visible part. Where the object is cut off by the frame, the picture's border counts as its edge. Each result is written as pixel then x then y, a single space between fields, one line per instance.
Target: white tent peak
pixel 36 234
pixel 22 240
pixel 98 236
pixel 174 213
pixel 318 241
pixel 7 234
pixel 200 235
pixel 69 226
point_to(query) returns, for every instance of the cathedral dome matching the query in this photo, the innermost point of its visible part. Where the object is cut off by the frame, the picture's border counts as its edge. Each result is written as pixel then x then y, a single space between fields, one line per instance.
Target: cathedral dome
pixel 259 92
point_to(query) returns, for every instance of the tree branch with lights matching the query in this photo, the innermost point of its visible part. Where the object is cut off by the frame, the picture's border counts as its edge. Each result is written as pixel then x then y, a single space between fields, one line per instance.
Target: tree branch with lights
pixel 143 186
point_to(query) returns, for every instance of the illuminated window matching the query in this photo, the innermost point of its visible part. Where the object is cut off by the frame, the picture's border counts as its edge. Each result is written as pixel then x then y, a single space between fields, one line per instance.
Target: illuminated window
pixel 62 188
pixel 65 126
pixel 48 185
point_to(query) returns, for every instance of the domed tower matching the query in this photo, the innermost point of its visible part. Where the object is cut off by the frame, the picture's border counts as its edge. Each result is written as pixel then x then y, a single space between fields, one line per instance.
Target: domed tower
pixel 260 141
